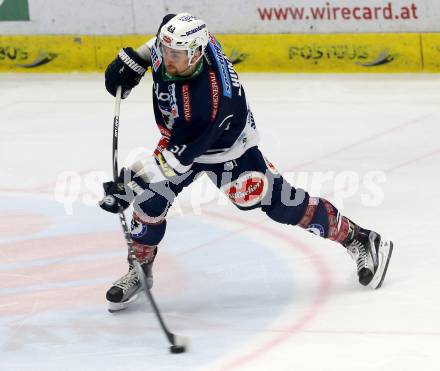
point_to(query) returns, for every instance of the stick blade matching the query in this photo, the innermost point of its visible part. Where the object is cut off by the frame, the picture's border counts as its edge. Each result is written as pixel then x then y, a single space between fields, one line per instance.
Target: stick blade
pixel 183 341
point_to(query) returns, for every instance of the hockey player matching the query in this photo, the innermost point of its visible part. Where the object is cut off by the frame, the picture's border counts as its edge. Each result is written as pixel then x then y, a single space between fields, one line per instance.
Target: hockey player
pixel 207 127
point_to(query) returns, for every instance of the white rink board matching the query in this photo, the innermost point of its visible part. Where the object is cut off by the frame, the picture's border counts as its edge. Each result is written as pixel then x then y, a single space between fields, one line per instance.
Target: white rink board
pixel 113 17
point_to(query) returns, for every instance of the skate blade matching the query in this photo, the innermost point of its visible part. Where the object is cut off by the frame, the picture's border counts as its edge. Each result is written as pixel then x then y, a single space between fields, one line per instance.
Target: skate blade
pixel 385 252
pixel 117 307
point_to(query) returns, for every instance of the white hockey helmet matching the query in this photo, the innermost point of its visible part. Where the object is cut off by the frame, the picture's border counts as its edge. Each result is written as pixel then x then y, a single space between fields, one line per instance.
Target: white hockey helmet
pixel 185 32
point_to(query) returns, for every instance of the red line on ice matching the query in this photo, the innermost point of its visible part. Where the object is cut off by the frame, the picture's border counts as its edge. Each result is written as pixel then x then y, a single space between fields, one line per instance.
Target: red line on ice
pixel 323 290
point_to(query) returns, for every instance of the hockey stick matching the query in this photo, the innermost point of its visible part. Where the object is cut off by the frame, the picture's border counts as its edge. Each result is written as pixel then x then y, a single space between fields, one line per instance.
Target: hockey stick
pixel 179 344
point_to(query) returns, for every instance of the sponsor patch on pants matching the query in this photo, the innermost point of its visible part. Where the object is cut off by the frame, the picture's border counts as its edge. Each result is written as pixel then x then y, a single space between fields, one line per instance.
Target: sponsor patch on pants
pixel 247 190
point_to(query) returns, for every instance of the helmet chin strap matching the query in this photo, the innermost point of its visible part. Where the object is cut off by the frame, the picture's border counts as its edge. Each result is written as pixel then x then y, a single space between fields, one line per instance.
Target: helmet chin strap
pixel 190 64
pixel 191 55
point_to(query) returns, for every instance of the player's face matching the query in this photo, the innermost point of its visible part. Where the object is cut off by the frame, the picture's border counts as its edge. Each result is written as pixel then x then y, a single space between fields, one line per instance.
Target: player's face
pixel 176 61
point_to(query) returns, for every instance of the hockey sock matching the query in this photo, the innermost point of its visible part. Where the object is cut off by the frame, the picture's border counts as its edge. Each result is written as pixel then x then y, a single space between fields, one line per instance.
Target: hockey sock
pixel 146 237
pixel 323 219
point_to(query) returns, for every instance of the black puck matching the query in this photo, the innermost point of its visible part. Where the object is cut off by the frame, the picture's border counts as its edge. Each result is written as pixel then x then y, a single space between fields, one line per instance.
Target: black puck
pixel 177 349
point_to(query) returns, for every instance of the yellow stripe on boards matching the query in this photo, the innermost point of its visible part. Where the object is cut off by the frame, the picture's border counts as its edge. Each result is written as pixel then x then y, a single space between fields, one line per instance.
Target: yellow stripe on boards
pixel 405 52
pixel 325 53
pixel 431 52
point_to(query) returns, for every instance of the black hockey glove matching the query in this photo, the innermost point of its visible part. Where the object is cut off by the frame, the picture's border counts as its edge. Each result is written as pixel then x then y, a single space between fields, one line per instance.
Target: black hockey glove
pixel 126 71
pixel 120 193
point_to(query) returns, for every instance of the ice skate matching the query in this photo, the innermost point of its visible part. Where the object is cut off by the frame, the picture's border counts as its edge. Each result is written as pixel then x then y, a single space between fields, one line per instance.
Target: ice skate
pixel 372 254
pixel 126 289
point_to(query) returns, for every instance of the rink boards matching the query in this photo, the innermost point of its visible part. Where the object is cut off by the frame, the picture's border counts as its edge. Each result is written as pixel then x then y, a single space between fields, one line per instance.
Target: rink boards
pixel 382 53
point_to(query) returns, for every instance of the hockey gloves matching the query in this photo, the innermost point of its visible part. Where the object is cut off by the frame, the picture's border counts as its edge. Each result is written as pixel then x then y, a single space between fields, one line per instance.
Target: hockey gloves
pixel 120 193
pixel 125 71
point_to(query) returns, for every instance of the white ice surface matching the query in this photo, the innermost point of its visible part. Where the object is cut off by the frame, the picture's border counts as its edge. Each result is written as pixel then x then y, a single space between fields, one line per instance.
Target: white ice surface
pixel 252 294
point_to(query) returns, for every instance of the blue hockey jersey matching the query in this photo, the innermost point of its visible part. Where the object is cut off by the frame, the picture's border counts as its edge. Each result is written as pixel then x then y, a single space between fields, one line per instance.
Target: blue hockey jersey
pixel 202 118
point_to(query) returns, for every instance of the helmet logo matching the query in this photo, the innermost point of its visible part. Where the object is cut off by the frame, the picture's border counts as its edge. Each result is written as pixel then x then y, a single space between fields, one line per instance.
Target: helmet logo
pixel 194 30
pixel 171 28
pixel 193 44
pixel 187 18
pixel 167 39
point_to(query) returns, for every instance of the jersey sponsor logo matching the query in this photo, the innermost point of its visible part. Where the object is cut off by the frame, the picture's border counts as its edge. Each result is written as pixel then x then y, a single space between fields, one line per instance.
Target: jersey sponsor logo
pixel 160 95
pixel 234 77
pixel 222 66
pixel 164 131
pixel 173 100
pixel 214 94
pixel 247 190
pixel 187 111
pixel 167 104
pixel 156 58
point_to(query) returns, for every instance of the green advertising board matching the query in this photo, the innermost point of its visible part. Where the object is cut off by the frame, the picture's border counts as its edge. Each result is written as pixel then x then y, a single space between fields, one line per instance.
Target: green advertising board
pixel 14 10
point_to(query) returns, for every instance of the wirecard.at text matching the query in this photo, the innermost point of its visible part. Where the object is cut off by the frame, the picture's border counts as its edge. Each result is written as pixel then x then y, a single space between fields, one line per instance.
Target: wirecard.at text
pixel 329 12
